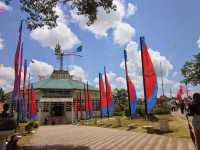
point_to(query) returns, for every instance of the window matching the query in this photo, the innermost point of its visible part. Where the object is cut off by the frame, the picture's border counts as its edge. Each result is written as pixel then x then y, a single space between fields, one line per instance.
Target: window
pixel 45 107
pixel 68 106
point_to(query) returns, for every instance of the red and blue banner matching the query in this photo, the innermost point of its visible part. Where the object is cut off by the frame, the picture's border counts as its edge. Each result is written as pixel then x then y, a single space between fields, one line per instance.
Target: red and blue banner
pixel 76 104
pixel 149 77
pixel 102 93
pixel 20 70
pixel 132 97
pixel 108 95
pixel 88 106
pixel 25 72
pixel 33 103
pixel 16 66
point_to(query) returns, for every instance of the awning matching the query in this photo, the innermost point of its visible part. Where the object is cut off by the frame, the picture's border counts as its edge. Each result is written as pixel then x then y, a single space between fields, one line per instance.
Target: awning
pixel 67 99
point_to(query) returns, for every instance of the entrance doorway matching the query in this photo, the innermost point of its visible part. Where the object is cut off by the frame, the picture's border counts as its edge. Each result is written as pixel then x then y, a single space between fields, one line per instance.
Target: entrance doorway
pixel 57 109
pixel 57 113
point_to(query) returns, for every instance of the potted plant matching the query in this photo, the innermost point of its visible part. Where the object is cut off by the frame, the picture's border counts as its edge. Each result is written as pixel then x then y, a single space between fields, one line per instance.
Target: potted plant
pixel 162 113
pixel 118 113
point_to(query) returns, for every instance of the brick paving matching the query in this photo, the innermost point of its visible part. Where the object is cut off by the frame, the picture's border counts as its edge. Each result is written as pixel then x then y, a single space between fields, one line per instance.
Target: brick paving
pixel 95 138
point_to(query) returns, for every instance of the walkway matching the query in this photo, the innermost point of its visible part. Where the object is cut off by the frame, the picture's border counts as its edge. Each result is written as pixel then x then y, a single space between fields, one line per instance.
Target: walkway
pixel 89 138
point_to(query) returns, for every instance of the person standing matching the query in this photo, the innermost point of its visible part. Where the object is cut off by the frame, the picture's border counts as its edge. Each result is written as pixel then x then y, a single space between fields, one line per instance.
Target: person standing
pixel 194 110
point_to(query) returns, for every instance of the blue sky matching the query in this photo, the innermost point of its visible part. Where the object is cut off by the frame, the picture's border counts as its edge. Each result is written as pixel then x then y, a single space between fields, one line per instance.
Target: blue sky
pixel 171 28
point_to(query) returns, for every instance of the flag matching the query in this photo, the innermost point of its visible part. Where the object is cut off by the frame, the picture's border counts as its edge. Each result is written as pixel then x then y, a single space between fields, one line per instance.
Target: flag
pixel 132 97
pixel 89 101
pixel 103 101
pixel 76 104
pixel 179 93
pixel 16 62
pixel 108 94
pixel 25 71
pixel 79 49
pixel 33 102
pixel 20 70
pixel 149 77
pixel 29 98
pixel 87 107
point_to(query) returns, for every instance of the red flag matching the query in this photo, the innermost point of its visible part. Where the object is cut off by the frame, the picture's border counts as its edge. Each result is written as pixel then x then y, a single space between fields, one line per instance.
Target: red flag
pixel 25 71
pixel 149 78
pixel 76 104
pixel 103 101
pixel 87 109
pixel 17 61
pixel 33 102
pixel 20 70
pixel 179 94
pixel 108 94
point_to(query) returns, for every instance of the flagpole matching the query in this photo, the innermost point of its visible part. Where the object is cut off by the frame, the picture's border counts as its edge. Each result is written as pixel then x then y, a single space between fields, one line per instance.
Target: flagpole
pixel 127 83
pixel 88 102
pixel 162 79
pixel 144 85
pixel 106 92
pixel 81 117
pixel 100 97
pixel 85 101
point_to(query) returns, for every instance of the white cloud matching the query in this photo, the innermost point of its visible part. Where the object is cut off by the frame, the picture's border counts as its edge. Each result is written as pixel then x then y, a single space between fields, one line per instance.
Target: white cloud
pixel 135 67
pixel 123 33
pixel 77 72
pixel 40 68
pixel 198 42
pixel 104 21
pixel 62 34
pixel 6 78
pixel 131 9
pixel 4 7
pixel 120 82
pixel 1 42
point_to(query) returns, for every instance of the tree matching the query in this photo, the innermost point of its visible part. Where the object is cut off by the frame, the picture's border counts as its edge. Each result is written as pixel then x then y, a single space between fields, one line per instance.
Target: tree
pixel 3 96
pixel 41 12
pixel 121 98
pixel 191 70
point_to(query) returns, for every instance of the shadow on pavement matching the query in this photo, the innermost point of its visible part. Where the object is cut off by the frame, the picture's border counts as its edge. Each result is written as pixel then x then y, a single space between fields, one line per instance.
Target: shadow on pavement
pixel 54 147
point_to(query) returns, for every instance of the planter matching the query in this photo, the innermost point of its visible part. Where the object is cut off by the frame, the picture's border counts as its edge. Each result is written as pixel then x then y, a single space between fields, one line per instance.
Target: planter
pixel 3 135
pixel 118 121
pixel 22 128
pixel 164 123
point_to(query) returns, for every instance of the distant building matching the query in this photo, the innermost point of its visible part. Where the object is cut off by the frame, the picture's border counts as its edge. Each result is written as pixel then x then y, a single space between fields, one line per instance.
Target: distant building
pixel 54 97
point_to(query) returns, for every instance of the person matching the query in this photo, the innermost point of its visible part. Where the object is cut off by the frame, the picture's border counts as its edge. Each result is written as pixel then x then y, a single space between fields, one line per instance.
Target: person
pixel 5 113
pixel 194 110
pixel 12 144
pixel 182 106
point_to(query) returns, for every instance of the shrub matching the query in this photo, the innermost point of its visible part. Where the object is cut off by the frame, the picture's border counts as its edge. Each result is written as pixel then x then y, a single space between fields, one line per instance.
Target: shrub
pixel 118 111
pixel 7 124
pixel 162 110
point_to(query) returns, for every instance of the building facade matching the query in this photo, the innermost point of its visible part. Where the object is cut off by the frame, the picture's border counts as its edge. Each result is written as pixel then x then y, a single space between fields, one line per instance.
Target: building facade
pixel 55 96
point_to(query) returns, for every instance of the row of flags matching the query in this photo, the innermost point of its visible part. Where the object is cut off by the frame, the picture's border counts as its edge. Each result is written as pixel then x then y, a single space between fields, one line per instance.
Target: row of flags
pixel 149 83
pixel 25 108
pixel 78 103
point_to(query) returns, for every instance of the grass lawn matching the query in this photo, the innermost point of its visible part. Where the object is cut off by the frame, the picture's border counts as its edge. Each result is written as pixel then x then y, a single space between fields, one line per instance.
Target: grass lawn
pixel 177 126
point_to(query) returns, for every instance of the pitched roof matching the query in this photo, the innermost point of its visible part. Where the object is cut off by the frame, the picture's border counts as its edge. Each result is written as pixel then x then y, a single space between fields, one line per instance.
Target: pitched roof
pixel 61 84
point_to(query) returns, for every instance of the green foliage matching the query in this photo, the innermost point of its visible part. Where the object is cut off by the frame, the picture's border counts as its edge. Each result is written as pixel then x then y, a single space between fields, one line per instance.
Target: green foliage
pixel 3 96
pixel 162 110
pixel 191 70
pixel 42 12
pixel 31 125
pixel 7 124
pixel 121 98
pixel 118 110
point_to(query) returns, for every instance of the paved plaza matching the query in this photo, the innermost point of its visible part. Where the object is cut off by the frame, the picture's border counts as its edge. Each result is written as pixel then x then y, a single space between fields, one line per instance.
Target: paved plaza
pixel 84 137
